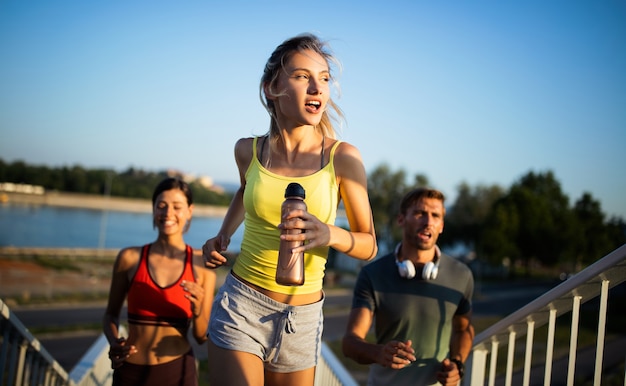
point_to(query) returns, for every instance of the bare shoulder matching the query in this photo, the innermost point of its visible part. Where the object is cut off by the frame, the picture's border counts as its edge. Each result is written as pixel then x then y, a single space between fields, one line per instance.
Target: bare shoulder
pixel 243 151
pixel 246 141
pixel 244 145
pixel 128 258
pixel 347 159
pixel 202 273
pixel 198 260
pixel 348 152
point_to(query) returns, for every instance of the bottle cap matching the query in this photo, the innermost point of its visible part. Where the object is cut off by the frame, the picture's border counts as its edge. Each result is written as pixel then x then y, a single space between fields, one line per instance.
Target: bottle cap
pixel 294 189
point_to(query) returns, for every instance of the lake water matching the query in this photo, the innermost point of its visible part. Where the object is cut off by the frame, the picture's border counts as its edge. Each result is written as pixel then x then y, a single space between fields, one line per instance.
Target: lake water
pixel 57 227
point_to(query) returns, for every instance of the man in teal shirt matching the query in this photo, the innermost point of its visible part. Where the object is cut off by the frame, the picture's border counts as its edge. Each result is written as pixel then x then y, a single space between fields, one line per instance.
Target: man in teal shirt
pixel 419 300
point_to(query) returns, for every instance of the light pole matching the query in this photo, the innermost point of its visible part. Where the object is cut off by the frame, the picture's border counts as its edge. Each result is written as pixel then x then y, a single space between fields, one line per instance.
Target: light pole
pixel 105 211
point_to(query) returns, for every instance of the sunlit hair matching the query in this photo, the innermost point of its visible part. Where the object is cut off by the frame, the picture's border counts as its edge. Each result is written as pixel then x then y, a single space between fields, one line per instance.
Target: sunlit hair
pixel 417 194
pixel 169 184
pixel 276 65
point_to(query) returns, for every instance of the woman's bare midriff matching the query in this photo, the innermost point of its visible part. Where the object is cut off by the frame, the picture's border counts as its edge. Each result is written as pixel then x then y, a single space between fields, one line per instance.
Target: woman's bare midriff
pixel 167 344
pixel 292 300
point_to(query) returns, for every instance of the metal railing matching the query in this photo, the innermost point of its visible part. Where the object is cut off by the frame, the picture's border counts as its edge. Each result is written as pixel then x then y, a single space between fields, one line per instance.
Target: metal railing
pixel 330 371
pixel 593 282
pixel 23 361
pixel 94 368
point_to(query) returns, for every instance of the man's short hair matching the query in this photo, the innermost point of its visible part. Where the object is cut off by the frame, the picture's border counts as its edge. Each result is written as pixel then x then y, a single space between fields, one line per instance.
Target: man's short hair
pixel 419 193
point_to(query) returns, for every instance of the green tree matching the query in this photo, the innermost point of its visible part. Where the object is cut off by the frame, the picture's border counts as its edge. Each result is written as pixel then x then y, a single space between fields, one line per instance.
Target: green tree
pixel 466 216
pixel 75 179
pixel 386 189
pixel 498 236
pixel 616 230
pixel 535 216
pixel 594 236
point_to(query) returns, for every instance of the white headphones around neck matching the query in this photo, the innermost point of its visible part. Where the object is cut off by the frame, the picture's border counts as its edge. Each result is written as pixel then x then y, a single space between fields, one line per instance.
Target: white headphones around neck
pixel 406 268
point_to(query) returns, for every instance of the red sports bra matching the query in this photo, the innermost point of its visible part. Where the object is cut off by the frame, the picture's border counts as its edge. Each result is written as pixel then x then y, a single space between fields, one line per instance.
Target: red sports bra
pixel 148 303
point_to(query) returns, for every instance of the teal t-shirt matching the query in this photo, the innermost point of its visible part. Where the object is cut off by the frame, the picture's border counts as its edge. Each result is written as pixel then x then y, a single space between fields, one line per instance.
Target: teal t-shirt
pixel 415 309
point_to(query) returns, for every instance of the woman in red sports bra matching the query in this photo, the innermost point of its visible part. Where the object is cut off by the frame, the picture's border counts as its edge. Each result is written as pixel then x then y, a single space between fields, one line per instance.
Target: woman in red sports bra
pixel 168 291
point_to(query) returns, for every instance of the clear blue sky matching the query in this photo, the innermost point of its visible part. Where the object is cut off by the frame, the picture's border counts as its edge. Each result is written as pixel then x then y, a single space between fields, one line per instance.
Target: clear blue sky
pixel 462 91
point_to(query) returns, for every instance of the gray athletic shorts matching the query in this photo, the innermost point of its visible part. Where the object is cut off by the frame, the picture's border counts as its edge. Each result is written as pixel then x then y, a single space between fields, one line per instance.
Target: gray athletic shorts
pixel 286 338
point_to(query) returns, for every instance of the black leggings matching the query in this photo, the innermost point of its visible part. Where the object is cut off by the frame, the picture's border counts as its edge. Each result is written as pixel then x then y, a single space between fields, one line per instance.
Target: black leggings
pixel 179 372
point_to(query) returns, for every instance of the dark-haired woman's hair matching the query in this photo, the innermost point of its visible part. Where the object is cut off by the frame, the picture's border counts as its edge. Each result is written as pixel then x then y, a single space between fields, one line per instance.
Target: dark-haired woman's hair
pixel 172 183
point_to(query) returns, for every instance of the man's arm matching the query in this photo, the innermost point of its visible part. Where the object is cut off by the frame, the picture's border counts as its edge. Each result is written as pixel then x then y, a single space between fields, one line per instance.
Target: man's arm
pixel 461 342
pixel 462 337
pixel 354 345
pixel 394 354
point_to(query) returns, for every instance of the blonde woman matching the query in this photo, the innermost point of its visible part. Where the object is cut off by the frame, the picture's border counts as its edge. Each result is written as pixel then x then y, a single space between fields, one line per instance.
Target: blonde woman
pixel 263 333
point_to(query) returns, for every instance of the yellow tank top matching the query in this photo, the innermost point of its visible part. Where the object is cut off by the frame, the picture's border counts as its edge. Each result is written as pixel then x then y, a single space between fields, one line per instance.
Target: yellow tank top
pixel 262 199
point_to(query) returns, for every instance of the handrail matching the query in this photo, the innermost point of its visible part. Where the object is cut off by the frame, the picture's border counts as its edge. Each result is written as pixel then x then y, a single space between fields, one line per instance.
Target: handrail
pixel 23 360
pixel 94 368
pixel 590 283
pixel 330 371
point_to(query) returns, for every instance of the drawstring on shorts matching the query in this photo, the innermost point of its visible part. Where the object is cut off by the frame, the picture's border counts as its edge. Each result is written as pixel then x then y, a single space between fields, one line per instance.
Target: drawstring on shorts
pixel 286 324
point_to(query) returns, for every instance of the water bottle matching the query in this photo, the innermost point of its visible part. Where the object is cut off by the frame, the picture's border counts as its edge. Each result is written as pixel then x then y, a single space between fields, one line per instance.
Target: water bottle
pixel 290 268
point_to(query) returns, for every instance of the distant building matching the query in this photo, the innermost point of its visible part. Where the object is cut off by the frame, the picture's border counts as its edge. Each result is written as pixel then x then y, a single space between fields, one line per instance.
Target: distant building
pixel 21 188
pixel 205 181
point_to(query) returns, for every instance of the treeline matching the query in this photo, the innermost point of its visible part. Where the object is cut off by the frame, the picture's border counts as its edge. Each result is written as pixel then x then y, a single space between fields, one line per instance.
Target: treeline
pixel 531 221
pixel 131 183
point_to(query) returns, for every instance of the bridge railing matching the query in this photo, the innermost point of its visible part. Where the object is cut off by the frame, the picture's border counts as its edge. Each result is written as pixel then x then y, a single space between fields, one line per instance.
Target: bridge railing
pixel 23 361
pixel 94 368
pixel 330 371
pixel 593 282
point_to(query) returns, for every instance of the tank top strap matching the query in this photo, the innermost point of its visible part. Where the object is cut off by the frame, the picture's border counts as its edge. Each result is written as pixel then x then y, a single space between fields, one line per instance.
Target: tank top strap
pixel 255 158
pixel 143 261
pixel 144 251
pixel 254 142
pixel 333 150
pixel 189 253
pixel 142 265
pixel 189 261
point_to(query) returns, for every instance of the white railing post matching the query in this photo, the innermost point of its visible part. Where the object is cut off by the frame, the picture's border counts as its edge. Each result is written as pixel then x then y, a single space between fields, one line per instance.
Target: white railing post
pixel 476 362
pixel 547 377
pixel 573 342
pixel 530 330
pixel 604 298
pixel 21 361
pixel 493 362
pixel 509 358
